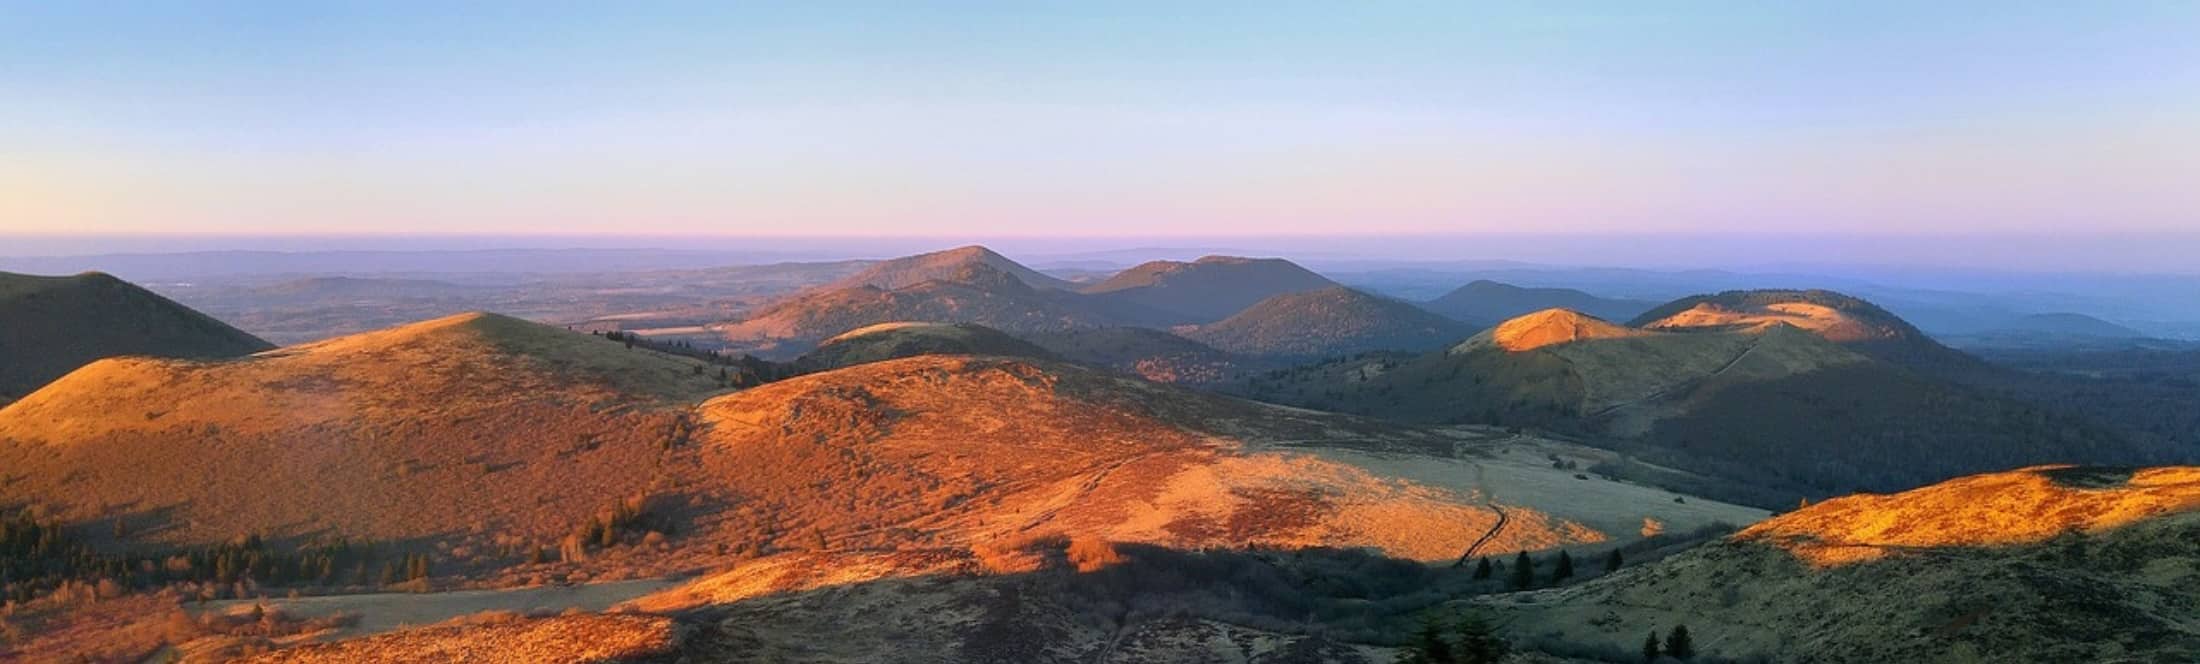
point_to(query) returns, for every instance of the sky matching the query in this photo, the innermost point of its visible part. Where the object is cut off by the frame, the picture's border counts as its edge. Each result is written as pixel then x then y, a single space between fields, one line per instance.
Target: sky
pixel 1112 119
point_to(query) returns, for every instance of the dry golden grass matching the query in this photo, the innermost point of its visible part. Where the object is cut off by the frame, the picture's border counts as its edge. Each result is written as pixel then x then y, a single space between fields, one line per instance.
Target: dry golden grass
pixel 1997 509
pixel 577 638
pixel 2049 564
pixel 76 626
pixel 464 435
pixel 433 430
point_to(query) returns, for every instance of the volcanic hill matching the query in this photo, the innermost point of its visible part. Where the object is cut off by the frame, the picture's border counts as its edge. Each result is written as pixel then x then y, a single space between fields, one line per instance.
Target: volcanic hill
pixel 1328 322
pixel 1764 404
pixel 947 265
pixel 1206 290
pixel 1484 302
pixel 49 326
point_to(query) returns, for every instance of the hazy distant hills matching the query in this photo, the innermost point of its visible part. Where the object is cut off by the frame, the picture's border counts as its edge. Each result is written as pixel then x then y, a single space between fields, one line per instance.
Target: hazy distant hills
pixel 1257 307
pixel 316 289
pixel 976 292
pixel 1327 322
pixel 2051 564
pixel 2058 331
pixel 1484 303
pixel 1208 289
pixel 946 265
pixel 52 325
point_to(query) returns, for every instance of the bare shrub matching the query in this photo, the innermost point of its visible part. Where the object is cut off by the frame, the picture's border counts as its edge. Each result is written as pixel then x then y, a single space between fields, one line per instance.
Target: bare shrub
pixel 1092 554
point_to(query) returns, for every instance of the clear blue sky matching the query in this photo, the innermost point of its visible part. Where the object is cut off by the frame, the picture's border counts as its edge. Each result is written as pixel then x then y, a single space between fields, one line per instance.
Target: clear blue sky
pixel 1098 118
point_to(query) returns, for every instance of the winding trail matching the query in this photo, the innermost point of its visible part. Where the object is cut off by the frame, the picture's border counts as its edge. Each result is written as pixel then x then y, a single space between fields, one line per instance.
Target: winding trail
pixel 1482 482
pixel 1730 362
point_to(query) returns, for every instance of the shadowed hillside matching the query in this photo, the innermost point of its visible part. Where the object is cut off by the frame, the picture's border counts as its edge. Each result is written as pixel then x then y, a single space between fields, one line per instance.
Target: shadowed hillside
pixel 1776 411
pixel 49 326
pixel 1208 289
pixel 888 341
pixel 1152 354
pixel 1331 321
pixel 2050 564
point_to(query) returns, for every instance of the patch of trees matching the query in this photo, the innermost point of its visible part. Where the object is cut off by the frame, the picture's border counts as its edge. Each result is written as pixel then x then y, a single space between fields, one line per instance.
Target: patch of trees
pixel 38 556
pixel 2148 394
pixel 1469 639
pixel 625 522
pixel 741 370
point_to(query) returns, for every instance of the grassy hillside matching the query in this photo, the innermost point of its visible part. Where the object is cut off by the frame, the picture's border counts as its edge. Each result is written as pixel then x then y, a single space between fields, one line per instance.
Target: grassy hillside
pixel 470 423
pixel 49 326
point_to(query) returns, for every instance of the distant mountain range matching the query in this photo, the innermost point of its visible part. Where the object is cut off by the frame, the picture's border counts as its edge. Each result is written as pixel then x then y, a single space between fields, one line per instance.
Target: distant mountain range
pixel 1206 290
pixel 1484 303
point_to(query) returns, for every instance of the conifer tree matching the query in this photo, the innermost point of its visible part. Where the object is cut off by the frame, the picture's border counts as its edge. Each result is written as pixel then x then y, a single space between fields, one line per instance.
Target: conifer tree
pixel 1565 568
pixel 1479 642
pixel 1650 650
pixel 1678 645
pixel 1482 569
pixel 1523 573
pixel 1612 561
pixel 1428 645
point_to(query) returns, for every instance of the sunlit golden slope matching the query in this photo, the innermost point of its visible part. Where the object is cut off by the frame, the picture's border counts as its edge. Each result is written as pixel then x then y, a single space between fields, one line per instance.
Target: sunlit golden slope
pixel 972 449
pixel 1548 327
pixel 496 436
pixel 2043 564
pixel 1997 509
pixel 1836 317
pixel 469 423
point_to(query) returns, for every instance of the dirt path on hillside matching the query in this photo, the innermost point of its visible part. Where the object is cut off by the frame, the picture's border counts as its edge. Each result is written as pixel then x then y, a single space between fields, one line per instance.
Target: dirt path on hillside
pixel 382 612
pixel 1730 362
pixel 1482 483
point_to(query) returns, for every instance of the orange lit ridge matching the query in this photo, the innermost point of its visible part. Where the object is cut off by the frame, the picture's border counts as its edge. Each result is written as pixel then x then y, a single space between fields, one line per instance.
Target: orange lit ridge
pixel 1551 327
pixel 2017 507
